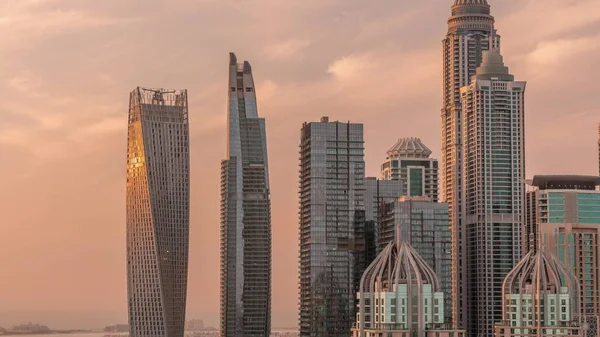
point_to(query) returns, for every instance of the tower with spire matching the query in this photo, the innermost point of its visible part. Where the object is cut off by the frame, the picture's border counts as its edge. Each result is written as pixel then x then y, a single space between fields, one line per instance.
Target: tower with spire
pixel 493 193
pixel 470 32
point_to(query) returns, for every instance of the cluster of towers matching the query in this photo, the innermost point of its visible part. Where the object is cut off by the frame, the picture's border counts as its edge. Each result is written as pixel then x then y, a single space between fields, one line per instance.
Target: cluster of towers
pixel 378 257
pixel 158 212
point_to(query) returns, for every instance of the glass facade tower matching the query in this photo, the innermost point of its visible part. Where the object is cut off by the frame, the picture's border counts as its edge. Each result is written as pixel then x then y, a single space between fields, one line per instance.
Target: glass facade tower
pixel 245 214
pixel 332 226
pixel 158 206
pixel 427 229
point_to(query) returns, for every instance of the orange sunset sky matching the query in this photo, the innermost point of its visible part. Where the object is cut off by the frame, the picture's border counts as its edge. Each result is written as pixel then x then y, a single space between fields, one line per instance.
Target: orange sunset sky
pixel 67 67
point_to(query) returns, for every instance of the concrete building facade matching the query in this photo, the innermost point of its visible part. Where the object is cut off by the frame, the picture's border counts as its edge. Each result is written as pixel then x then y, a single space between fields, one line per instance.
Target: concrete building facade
pixel 563 215
pixel 540 299
pixel 493 189
pixel 400 296
pixel 409 162
pixel 470 32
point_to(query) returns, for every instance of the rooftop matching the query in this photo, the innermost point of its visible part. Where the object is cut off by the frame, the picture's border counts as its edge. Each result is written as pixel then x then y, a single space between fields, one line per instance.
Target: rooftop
pixel 566 182
pixel 409 148
pixel 470 7
pixel 492 67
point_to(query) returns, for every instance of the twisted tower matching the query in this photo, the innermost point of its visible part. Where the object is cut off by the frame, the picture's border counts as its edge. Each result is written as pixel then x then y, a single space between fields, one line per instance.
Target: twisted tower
pixel 158 212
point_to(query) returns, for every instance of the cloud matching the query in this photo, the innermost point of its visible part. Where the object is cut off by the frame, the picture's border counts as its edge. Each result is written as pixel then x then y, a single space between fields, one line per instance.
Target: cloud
pixel 550 54
pixel 24 23
pixel 550 20
pixel 266 91
pixel 27 81
pixel 351 66
pixel 68 66
pixel 290 49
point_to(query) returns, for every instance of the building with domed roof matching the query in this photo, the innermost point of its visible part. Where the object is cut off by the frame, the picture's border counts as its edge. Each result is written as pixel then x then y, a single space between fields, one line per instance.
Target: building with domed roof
pixel 400 296
pixel 427 228
pixel 539 298
pixel 409 162
pixel 470 32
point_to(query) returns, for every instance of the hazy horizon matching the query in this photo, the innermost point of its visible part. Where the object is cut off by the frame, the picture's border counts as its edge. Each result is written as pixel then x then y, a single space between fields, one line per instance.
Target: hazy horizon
pixel 68 66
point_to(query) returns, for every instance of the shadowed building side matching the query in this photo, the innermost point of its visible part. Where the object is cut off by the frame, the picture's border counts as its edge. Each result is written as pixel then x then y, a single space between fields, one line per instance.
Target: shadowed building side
pixel 332 226
pixel 157 212
pixel 245 214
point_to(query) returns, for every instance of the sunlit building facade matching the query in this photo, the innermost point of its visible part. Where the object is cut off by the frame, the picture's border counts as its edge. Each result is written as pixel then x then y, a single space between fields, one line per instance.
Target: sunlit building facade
pixel 332 226
pixel 158 205
pixel 493 189
pixel 470 32
pixel 245 213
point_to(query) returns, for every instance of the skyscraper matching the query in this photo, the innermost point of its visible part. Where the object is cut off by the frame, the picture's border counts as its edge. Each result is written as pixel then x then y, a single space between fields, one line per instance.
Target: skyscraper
pixel 470 32
pixel 493 189
pixel 158 206
pixel 426 225
pixel 408 162
pixel 377 193
pixel 332 220
pixel 539 298
pixel 563 215
pixel 245 213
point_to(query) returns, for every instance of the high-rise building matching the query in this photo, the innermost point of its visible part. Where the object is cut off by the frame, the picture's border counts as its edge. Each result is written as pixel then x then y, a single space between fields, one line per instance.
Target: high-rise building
pixel 470 32
pixel 427 229
pixel 400 296
pixel 377 193
pixel 194 325
pixel 493 189
pixel 245 213
pixel 158 206
pixel 563 214
pixel 408 162
pixel 332 220
pixel 539 298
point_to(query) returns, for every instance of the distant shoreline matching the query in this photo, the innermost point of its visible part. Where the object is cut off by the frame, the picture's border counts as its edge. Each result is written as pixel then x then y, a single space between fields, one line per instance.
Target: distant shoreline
pixel 54 332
